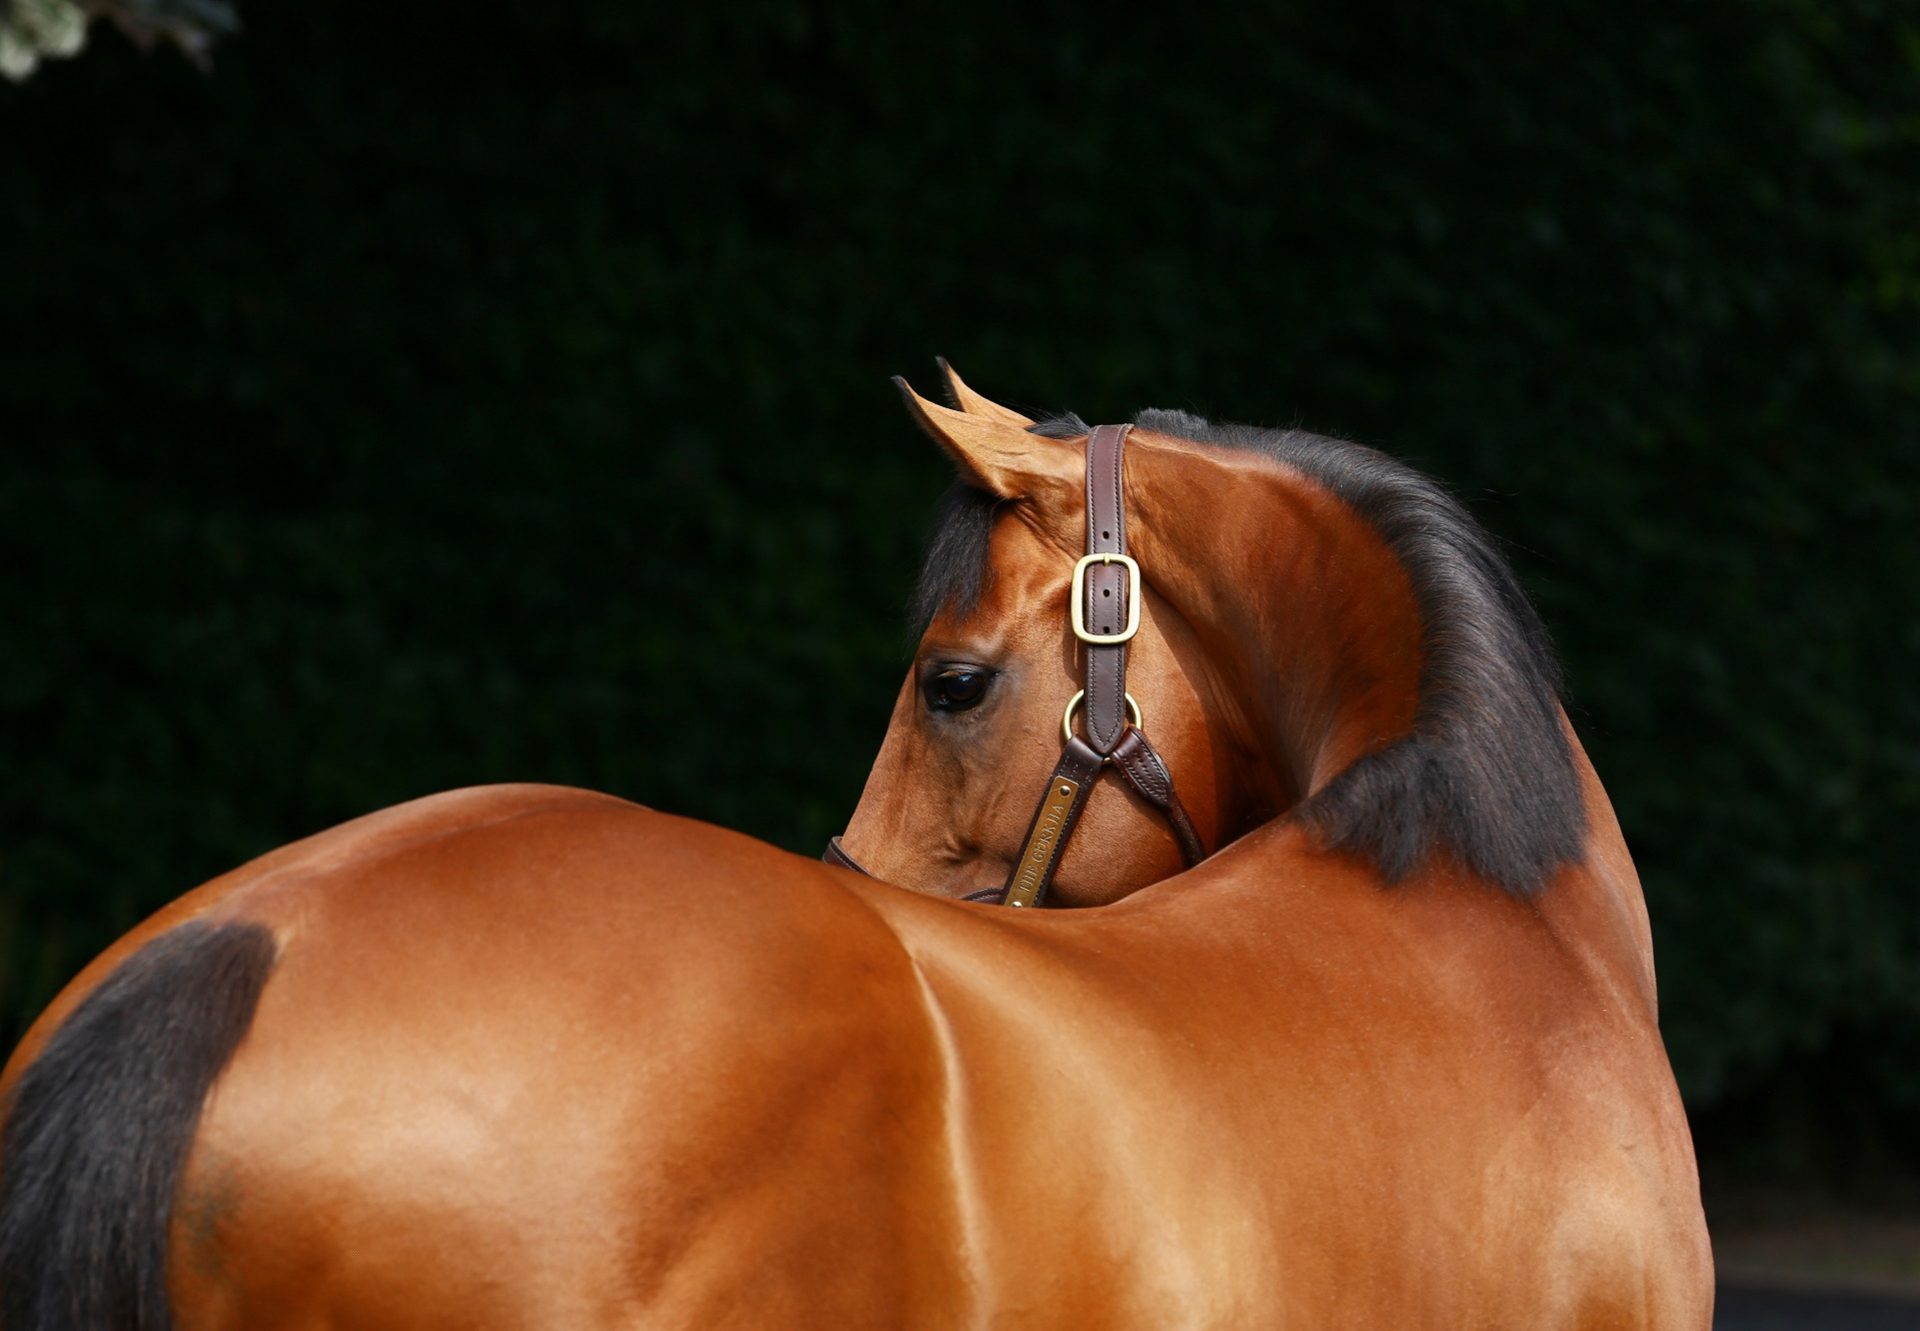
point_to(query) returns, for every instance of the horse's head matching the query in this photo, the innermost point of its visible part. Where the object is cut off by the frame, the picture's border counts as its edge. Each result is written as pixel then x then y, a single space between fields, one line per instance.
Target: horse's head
pixel 1326 635
pixel 979 722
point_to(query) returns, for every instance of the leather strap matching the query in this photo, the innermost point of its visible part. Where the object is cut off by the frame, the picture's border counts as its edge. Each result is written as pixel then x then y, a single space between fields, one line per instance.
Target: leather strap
pixel 1105 607
pixel 1140 763
pixel 836 853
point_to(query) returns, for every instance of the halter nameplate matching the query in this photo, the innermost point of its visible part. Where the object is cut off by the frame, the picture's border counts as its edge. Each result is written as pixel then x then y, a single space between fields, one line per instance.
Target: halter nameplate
pixel 1049 836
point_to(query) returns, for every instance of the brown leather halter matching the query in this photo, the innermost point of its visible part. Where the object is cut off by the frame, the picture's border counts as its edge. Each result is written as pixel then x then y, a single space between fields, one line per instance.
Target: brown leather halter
pixel 1104 613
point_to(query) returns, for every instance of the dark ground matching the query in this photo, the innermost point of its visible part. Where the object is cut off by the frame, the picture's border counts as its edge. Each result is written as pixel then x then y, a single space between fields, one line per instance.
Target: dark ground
pixel 1750 1309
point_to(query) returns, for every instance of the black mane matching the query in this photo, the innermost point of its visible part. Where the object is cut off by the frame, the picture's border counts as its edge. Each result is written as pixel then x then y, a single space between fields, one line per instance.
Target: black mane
pixel 1487 772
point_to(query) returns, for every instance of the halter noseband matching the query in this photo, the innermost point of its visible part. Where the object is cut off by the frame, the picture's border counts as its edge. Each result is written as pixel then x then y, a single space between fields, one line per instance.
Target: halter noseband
pixel 1104 613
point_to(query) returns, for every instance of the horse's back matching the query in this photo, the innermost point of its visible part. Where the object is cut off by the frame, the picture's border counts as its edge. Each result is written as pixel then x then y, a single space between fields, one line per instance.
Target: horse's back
pixel 330 854
pixel 1410 1106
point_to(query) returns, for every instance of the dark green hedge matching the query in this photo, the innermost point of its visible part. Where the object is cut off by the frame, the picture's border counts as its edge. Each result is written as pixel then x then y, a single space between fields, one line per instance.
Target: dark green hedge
pixel 439 394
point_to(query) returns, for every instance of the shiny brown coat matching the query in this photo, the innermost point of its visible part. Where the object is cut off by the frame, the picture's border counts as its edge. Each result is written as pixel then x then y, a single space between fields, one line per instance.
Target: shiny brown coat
pixel 534 1057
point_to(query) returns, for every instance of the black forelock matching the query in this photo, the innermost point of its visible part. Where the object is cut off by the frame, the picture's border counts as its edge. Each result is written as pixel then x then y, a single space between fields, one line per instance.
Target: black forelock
pixel 954 568
pixel 1487 771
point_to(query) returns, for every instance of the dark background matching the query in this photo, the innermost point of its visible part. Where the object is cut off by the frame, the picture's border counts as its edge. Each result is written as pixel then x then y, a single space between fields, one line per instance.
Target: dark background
pixel 435 395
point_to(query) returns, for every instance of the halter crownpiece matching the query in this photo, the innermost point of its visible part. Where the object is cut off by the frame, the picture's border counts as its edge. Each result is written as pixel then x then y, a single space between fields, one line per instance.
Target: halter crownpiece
pixel 1104 614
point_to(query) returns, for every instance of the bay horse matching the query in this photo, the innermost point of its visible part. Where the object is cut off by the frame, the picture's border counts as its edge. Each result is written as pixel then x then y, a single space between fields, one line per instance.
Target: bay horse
pixel 522 1056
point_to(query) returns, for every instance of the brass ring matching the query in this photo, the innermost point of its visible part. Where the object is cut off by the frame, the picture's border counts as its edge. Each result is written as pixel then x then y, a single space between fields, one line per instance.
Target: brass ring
pixel 1066 720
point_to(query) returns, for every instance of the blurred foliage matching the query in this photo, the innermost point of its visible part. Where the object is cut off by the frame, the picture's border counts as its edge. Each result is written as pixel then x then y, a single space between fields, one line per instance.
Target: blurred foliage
pixel 505 398
pixel 36 30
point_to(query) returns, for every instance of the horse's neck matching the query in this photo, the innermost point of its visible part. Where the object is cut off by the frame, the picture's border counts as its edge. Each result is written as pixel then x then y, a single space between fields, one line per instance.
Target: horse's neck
pixel 1299 604
pixel 1314 624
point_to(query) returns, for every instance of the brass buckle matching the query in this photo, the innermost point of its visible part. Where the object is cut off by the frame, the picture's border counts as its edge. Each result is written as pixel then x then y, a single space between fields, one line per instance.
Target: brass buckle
pixel 1078 608
pixel 1066 720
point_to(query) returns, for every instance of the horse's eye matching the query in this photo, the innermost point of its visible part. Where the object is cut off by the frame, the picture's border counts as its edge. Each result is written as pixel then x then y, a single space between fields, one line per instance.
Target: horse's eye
pixel 956 688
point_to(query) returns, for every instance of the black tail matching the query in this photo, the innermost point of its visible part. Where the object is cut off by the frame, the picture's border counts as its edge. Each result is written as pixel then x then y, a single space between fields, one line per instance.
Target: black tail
pixel 99 1127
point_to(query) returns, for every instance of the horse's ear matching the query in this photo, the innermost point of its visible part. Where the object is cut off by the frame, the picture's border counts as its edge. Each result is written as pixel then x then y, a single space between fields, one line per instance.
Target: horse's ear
pixel 973 404
pixel 999 457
